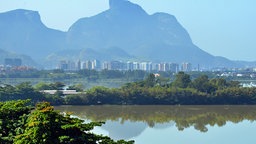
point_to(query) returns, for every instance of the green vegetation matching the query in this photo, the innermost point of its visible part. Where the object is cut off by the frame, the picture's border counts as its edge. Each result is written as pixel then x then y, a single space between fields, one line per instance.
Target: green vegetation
pixel 107 78
pixel 88 78
pixel 22 91
pixel 153 90
pixel 21 124
pixel 182 91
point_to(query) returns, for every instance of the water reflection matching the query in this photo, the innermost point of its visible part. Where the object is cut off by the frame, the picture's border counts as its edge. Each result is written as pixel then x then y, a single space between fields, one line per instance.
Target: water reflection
pixel 163 116
pixel 125 130
pixel 173 124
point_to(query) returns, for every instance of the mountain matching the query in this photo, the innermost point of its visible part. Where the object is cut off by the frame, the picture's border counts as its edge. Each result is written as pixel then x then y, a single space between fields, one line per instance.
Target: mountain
pixel 157 37
pixel 25 59
pixel 112 53
pixel 23 32
pixel 123 32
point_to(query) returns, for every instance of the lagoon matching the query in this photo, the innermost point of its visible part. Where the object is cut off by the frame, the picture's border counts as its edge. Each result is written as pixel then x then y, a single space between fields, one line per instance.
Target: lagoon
pixel 172 124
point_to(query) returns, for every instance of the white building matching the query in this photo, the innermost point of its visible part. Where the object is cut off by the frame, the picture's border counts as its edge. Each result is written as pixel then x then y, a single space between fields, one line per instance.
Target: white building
pixel 186 67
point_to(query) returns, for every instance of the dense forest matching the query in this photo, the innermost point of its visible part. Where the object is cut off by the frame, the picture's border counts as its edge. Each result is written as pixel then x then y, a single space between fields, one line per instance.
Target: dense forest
pixel 154 90
pixel 23 124
pixel 182 91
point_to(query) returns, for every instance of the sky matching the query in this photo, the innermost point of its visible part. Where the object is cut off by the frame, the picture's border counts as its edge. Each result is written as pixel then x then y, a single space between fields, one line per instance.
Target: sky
pixel 220 27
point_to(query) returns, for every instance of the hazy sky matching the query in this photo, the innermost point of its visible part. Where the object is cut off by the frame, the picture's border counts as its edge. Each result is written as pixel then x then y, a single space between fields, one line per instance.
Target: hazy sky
pixel 221 27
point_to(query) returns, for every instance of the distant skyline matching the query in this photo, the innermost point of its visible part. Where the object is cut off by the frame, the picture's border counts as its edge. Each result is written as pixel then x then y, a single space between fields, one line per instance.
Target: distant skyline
pixel 220 27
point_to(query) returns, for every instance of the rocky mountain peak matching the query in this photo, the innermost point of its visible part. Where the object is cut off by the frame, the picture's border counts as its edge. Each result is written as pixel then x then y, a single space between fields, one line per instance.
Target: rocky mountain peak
pixel 125 6
pixel 125 32
pixel 22 15
pixel 118 3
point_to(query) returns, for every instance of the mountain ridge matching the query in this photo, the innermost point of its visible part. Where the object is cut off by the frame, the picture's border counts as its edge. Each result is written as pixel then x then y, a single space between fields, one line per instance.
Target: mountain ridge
pixel 22 31
pixel 125 26
pixel 146 35
pixel 25 59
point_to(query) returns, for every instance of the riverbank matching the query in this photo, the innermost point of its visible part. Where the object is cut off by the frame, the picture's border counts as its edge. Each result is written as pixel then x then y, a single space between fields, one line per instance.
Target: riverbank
pixel 151 91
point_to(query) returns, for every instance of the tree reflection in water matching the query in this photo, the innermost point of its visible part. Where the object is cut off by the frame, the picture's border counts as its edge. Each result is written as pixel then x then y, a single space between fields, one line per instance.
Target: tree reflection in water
pixel 184 117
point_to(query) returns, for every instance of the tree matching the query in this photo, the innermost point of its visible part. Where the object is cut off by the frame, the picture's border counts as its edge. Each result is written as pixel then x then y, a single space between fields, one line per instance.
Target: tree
pixel 26 91
pixel 13 115
pixel 77 87
pixel 45 126
pixel 43 86
pixel 235 84
pixel 219 83
pixel 162 81
pixel 57 85
pixel 150 81
pixel 182 80
pixel 203 84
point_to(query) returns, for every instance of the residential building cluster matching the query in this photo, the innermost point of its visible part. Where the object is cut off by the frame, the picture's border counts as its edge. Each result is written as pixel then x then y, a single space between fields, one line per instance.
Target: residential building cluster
pixel 119 65
pixel 13 64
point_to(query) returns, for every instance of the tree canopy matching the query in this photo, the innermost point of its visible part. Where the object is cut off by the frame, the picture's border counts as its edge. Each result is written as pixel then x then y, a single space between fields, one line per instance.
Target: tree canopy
pixel 19 125
pixel 182 80
pixel 152 90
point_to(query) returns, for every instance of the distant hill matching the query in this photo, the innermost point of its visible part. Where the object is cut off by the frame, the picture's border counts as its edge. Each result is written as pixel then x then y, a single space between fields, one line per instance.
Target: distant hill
pixel 23 32
pixel 123 32
pixel 112 53
pixel 25 59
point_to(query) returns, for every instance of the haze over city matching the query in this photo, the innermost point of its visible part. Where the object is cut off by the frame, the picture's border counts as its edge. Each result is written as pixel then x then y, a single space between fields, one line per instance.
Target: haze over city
pixel 222 28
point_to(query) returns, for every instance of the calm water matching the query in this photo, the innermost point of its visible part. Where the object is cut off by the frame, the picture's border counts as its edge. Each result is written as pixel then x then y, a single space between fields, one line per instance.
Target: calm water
pixel 173 124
